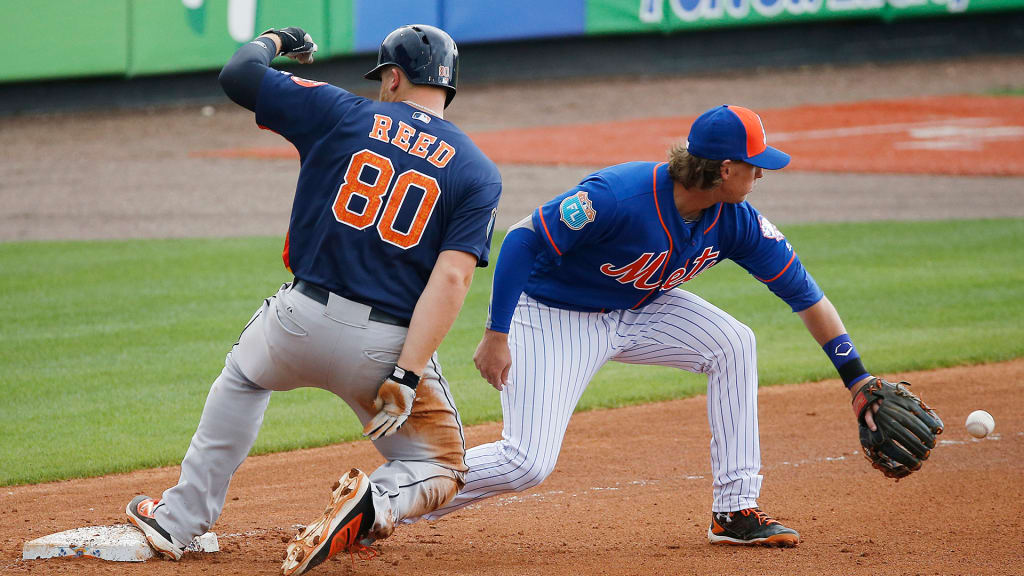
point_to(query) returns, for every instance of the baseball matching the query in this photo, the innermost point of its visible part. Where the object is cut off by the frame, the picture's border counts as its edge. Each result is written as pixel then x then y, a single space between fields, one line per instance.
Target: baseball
pixel 207 111
pixel 980 423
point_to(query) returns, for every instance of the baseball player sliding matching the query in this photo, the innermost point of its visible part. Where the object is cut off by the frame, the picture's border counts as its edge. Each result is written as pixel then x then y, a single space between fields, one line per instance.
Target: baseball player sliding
pixel 596 274
pixel 393 210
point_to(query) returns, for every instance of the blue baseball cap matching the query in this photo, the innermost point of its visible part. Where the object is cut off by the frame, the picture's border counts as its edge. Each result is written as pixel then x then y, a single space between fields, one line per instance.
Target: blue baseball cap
pixel 733 133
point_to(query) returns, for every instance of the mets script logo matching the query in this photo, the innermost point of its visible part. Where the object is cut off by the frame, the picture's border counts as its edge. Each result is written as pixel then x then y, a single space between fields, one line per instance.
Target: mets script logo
pixel 577 210
pixel 642 272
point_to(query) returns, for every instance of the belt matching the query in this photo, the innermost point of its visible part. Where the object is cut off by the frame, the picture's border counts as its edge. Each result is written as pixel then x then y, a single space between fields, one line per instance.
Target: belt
pixel 321 295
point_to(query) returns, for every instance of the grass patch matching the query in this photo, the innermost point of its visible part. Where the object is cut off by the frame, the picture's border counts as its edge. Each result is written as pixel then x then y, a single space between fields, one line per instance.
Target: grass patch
pixel 1007 91
pixel 108 348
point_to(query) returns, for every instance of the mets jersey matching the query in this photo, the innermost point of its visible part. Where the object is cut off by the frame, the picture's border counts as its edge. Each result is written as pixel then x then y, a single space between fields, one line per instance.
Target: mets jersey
pixel 617 240
pixel 383 188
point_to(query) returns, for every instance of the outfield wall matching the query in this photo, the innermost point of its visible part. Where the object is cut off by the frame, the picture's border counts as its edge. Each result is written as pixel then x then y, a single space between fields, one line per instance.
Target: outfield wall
pixel 76 38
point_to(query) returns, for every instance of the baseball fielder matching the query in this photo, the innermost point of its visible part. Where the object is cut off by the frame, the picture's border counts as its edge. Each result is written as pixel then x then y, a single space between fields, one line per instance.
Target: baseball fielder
pixel 596 274
pixel 393 210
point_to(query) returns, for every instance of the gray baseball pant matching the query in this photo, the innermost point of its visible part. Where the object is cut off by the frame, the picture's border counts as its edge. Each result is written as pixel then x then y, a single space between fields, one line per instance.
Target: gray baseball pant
pixel 293 341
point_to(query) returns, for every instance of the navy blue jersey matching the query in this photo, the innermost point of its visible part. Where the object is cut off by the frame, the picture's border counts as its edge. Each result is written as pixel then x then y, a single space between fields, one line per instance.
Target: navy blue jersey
pixel 616 241
pixel 383 188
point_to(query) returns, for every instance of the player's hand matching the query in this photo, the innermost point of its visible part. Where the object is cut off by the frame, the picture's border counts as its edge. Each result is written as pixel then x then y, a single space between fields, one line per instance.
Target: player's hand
pixel 903 428
pixel 493 359
pixel 394 404
pixel 869 418
pixel 295 43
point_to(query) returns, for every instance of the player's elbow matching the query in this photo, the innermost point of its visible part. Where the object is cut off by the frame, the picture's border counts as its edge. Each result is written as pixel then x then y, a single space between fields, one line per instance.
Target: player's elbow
pixel 230 82
pixel 227 78
pixel 454 270
pixel 241 81
pixel 457 279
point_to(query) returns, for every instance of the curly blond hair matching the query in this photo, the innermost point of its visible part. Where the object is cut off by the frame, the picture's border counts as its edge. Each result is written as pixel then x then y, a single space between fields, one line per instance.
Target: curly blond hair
pixel 693 171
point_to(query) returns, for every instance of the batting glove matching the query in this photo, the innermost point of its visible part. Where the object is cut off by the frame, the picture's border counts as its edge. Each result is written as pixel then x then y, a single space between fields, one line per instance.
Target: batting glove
pixel 394 404
pixel 295 43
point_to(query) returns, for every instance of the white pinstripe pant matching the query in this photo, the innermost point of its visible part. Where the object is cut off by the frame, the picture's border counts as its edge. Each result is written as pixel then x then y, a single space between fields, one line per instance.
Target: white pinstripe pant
pixel 555 354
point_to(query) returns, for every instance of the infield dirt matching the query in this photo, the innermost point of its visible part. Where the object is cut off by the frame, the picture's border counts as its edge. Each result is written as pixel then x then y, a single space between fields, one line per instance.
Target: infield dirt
pixel 631 493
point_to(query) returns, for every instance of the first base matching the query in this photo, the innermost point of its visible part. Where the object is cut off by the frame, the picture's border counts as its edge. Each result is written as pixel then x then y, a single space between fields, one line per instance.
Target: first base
pixel 118 543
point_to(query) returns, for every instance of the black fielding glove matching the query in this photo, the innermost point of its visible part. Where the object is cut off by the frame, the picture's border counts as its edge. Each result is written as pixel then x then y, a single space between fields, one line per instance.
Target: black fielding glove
pixel 906 432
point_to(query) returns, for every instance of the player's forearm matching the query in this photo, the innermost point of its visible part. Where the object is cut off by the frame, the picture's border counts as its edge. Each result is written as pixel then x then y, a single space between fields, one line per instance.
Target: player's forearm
pixel 437 308
pixel 243 74
pixel 518 252
pixel 823 322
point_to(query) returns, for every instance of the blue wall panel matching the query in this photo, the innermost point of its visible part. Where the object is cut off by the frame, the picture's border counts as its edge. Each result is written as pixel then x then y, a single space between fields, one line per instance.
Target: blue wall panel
pixel 493 20
pixel 373 19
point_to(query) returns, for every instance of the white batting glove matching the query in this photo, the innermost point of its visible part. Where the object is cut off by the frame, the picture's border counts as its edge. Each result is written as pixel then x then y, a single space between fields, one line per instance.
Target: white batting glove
pixel 394 404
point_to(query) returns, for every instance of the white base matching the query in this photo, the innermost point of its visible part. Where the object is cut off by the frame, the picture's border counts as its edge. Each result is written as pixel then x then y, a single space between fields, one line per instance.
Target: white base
pixel 118 543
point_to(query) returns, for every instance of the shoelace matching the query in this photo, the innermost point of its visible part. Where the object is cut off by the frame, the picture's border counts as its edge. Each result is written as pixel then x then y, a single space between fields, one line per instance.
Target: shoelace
pixel 762 518
pixel 365 553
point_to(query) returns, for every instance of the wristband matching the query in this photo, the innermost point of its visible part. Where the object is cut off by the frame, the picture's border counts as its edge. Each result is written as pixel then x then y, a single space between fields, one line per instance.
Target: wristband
pixel 845 358
pixel 406 377
pixel 266 43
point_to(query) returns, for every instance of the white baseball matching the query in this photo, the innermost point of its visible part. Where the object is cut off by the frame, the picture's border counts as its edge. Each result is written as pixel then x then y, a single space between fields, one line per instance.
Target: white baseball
pixel 980 423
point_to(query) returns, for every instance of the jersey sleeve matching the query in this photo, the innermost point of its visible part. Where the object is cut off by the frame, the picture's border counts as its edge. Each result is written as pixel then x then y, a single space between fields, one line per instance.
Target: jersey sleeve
pixel 762 250
pixel 472 224
pixel 300 110
pixel 575 218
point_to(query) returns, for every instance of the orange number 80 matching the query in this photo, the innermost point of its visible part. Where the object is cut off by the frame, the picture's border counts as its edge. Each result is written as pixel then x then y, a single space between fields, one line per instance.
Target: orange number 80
pixel 373 193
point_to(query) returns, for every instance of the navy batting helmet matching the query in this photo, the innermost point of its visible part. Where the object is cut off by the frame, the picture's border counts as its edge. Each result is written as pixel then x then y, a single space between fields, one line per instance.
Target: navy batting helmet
pixel 426 54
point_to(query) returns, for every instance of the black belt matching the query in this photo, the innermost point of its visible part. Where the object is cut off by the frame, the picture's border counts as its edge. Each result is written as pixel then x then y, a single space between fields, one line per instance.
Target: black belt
pixel 321 295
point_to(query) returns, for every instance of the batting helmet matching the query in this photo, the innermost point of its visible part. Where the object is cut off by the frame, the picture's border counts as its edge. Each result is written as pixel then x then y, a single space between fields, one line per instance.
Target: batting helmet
pixel 426 54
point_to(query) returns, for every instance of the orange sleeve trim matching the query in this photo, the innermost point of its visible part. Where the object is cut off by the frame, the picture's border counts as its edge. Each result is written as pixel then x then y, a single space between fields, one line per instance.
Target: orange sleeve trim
pixel 285 253
pixel 646 296
pixel 262 127
pixel 547 232
pixel 786 267
pixel 713 224
pixel 657 208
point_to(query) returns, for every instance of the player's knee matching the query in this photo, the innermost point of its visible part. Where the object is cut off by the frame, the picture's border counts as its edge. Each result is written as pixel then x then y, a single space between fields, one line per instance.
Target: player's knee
pixel 534 471
pixel 535 475
pixel 739 339
pixel 738 346
pixel 746 336
pixel 526 469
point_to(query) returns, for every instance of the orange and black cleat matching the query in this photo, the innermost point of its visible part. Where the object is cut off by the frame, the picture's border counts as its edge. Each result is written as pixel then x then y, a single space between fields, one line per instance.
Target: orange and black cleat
pixel 141 512
pixel 750 527
pixel 346 521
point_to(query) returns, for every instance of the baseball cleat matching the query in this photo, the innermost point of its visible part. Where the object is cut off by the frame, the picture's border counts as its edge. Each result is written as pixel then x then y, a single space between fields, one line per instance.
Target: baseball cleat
pixel 141 512
pixel 347 520
pixel 750 527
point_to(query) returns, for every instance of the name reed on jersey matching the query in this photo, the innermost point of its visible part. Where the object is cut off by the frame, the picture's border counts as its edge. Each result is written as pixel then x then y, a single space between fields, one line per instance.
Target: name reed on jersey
pixel 401 136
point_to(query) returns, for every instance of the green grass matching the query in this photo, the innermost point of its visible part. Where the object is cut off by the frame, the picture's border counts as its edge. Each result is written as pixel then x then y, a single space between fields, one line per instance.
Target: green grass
pixel 1007 91
pixel 107 349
